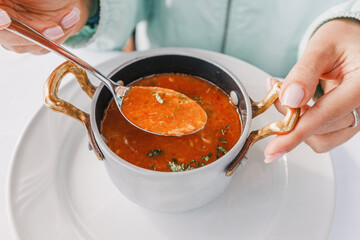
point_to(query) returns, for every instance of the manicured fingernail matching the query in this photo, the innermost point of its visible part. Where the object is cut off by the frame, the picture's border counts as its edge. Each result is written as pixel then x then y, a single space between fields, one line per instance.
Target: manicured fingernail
pixel 71 18
pixel 269 82
pixel 293 95
pixel 54 32
pixel 272 158
pixel 4 18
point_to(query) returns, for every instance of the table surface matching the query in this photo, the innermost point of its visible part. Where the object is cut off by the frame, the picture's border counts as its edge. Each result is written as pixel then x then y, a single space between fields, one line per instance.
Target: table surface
pixel 22 79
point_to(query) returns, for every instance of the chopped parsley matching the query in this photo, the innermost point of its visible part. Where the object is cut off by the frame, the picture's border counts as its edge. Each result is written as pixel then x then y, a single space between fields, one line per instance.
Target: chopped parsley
pixel 223 130
pixel 206 158
pixel 153 166
pixel 220 150
pixel 198 100
pixel 154 152
pixel 223 140
pixel 184 100
pixel 179 168
pixel 174 167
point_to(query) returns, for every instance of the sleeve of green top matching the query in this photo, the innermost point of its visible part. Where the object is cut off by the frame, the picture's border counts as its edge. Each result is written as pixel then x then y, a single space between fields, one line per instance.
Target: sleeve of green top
pixel 117 22
pixel 349 9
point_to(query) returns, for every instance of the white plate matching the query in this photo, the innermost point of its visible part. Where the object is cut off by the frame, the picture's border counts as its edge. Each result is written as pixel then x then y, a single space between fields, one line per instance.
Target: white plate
pixel 57 189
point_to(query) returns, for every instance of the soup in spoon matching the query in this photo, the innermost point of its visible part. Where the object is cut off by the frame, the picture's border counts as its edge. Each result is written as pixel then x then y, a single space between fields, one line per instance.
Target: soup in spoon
pixel 163 111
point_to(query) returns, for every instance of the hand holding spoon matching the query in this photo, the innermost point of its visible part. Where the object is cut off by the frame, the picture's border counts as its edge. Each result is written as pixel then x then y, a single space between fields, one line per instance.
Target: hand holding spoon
pixel 177 114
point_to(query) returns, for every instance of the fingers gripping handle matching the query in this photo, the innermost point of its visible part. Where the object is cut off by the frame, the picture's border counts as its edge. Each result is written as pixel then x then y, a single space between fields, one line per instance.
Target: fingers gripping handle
pixel 269 99
pixel 284 126
pixel 53 102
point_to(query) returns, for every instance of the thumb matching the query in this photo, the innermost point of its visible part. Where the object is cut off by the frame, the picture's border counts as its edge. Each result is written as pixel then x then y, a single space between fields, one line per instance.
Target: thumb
pixel 4 19
pixel 300 84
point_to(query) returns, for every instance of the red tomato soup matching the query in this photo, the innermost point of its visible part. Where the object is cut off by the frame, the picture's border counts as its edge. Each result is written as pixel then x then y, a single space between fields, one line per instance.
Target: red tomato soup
pixel 172 153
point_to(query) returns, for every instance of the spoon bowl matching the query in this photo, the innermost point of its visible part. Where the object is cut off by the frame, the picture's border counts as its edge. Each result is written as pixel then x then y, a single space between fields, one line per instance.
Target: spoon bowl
pixel 160 111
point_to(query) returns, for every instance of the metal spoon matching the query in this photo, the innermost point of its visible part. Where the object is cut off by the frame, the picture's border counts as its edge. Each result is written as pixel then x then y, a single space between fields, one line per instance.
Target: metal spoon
pixel 118 91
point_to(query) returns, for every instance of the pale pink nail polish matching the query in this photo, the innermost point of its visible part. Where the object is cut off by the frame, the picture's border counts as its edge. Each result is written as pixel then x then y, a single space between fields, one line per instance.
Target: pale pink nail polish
pixel 53 33
pixel 71 18
pixel 272 158
pixel 4 18
pixel 293 95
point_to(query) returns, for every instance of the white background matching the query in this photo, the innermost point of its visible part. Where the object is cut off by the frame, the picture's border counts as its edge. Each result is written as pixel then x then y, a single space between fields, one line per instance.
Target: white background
pixel 21 81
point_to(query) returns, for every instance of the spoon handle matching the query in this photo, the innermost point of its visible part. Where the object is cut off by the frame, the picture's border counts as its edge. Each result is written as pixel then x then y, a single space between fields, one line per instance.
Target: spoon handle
pixel 19 28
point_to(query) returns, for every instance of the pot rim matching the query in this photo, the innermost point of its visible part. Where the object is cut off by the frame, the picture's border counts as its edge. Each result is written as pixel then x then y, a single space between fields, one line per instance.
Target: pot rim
pixel 169 51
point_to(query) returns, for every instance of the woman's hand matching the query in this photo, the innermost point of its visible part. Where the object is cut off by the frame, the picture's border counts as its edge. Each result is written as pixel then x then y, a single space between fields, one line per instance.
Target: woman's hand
pixel 332 55
pixel 56 19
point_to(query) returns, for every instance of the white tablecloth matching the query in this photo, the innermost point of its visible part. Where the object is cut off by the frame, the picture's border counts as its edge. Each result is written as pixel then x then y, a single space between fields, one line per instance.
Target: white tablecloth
pixel 21 82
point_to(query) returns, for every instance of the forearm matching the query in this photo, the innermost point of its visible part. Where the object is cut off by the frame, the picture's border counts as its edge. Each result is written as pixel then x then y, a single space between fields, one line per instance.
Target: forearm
pixel 348 10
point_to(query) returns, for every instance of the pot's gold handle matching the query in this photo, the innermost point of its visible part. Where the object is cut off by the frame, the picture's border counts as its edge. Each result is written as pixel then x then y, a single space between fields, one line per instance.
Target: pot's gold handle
pixel 52 101
pixel 284 126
